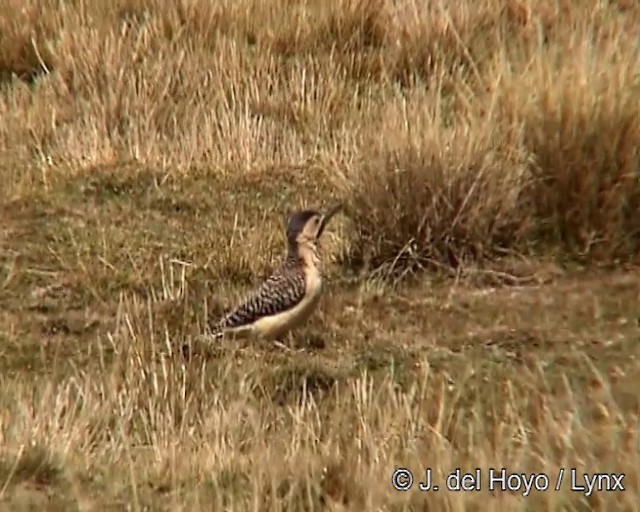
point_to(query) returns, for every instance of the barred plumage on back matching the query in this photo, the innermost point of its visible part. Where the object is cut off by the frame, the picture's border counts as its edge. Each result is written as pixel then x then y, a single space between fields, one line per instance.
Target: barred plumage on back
pixel 281 291
pixel 290 294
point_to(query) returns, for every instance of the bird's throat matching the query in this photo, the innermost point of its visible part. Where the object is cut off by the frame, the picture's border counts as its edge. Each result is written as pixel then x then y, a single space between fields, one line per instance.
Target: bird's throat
pixel 307 252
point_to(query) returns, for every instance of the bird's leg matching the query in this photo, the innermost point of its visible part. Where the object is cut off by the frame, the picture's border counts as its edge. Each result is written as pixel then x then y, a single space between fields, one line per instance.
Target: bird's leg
pixel 281 345
pixel 285 343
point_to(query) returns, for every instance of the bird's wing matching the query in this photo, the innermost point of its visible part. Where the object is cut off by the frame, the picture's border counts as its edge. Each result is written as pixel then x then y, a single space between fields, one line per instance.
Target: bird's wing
pixel 280 292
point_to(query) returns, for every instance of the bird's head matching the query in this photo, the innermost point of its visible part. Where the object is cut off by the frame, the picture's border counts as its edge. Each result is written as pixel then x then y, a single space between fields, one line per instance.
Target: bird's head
pixel 305 227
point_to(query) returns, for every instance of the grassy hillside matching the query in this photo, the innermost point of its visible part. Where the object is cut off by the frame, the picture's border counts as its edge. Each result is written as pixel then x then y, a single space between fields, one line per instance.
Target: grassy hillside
pixel 483 306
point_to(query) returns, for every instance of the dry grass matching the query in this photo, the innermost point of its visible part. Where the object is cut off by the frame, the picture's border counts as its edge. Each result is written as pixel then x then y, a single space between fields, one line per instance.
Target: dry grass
pixel 493 142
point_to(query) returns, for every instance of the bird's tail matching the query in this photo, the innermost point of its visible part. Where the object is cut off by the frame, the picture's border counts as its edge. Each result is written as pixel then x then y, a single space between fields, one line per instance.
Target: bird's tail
pixel 214 330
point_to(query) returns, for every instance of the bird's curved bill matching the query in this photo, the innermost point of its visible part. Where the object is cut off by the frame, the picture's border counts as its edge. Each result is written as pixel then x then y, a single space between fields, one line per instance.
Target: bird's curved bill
pixel 327 217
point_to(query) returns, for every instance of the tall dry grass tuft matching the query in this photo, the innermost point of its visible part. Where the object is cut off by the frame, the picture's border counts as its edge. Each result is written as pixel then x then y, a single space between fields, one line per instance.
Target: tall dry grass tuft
pixel 429 190
pixel 532 146
pixel 579 106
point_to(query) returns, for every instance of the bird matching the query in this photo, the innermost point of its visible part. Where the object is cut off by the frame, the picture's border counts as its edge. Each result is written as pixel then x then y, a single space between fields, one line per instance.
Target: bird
pixel 288 297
